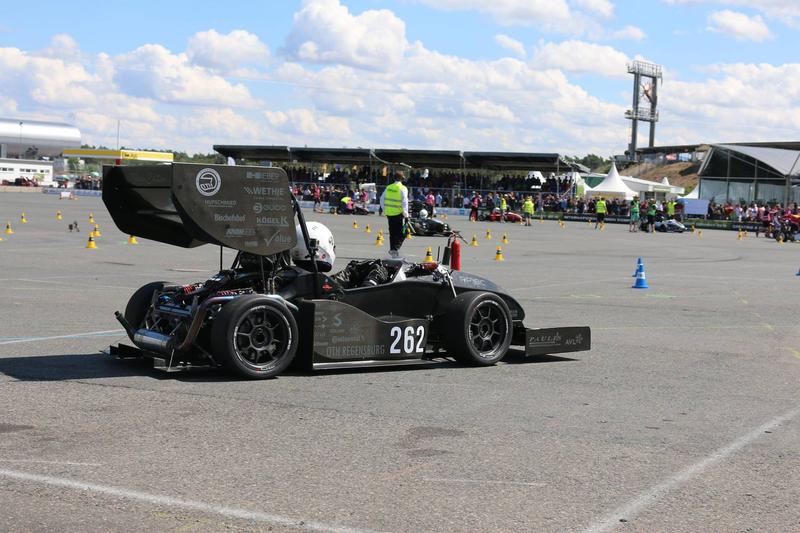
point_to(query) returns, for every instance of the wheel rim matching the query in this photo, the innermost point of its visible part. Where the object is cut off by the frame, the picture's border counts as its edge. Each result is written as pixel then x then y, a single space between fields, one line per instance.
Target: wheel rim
pixel 262 337
pixel 488 328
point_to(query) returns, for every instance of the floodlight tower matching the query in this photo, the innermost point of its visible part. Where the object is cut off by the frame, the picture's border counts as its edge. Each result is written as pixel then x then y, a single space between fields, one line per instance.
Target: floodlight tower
pixel 649 89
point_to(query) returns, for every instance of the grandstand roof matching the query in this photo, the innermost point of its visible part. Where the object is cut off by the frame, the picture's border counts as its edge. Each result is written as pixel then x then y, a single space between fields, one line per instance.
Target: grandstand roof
pixel 543 162
pixel 780 161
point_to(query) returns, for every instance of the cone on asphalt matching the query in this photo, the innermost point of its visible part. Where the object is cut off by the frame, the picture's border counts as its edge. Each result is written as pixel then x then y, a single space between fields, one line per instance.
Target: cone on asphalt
pixel 379 240
pixel 739 236
pixel 97 231
pixel 58 215
pixel 428 256
pixel 22 219
pixel 602 226
pixel 504 240
pixel 498 254
pixel 639 266
pixel 367 230
pixel 9 231
pixel 488 234
pixel 641 278
pixel 380 233
pixel 91 244
pixel 132 240
pixel 474 240
pixel 91 218
pixel 699 233
pixel 355 225
pixel 692 228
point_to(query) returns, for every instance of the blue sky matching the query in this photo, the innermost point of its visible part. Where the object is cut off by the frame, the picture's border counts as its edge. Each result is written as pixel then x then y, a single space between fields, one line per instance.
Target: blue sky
pixel 531 75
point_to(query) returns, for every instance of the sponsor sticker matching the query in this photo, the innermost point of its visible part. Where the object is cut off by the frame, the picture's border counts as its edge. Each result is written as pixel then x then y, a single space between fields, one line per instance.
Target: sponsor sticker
pixel 208 182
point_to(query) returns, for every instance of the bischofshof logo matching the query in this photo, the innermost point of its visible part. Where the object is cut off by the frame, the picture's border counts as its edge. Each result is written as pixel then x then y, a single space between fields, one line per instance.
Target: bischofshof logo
pixel 208 182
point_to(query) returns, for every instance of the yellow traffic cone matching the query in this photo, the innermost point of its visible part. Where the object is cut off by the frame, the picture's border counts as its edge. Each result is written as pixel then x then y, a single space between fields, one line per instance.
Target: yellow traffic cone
pixel 474 240
pixel 488 234
pixel 91 244
pixel 367 230
pixel 739 235
pixel 58 215
pixel 692 228
pixel 355 225
pixel 380 233
pixel 504 240
pixel 22 219
pixel 498 255
pixel 132 240
pixel 428 256
pixel 780 239
pixel 602 226
pixel 97 231
pixel 444 216
pixel 699 233
pixel 9 231
pixel 744 234
pixel 588 222
pixel 91 218
pixel 379 240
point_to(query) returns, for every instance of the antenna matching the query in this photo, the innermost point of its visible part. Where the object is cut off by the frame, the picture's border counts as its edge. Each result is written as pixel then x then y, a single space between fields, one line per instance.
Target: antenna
pixel 648 90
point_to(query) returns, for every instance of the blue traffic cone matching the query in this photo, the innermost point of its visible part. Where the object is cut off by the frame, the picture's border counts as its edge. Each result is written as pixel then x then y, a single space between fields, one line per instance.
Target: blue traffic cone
pixel 639 266
pixel 641 279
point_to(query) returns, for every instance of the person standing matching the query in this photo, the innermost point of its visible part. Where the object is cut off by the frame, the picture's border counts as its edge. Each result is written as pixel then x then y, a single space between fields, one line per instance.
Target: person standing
pixel 671 209
pixel 634 214
pixel 600 212
pixel 651 216
pixel 394 202
pixel 503 207
pixel 474 205
pixel 527 209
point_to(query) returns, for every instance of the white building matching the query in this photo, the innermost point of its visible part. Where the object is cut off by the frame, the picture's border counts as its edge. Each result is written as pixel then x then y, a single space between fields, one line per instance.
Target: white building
pixel 12 169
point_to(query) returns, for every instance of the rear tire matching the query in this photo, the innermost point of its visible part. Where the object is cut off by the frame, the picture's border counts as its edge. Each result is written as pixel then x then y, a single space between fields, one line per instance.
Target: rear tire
pixel 477 328
pixel 255 337
pixel 139 303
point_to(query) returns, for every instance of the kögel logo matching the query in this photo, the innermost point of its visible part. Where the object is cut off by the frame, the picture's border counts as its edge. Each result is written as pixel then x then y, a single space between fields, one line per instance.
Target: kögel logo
pixel 208 182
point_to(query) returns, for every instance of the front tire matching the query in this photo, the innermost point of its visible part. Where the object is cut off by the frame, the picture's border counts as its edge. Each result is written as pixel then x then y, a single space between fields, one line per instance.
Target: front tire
pixel 477 328
pixel 255 337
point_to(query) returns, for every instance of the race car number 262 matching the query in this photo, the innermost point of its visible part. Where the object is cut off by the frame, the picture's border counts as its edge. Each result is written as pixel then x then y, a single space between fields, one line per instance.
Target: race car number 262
pixel 408 340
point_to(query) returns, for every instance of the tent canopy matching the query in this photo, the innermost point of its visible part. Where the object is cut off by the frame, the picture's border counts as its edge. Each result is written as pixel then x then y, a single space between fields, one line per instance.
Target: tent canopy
pixel 612 186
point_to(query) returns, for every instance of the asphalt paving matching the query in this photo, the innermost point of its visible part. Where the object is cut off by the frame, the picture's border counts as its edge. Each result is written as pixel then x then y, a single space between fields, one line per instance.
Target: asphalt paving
pixel 684 416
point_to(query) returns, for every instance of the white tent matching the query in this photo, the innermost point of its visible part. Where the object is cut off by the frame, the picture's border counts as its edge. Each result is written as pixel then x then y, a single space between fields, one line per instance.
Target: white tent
pixel 695 194
pixel 612 187
pixel 665 181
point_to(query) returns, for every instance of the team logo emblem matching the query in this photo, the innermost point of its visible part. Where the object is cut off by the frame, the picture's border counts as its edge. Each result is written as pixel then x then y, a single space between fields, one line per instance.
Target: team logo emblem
pixel 208 182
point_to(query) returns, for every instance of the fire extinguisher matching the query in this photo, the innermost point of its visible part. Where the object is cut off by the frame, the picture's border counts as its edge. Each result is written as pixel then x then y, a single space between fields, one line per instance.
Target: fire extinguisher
pixel 452 253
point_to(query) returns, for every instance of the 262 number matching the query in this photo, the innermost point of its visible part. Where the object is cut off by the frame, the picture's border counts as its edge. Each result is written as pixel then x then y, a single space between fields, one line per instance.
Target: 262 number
pixel 407 341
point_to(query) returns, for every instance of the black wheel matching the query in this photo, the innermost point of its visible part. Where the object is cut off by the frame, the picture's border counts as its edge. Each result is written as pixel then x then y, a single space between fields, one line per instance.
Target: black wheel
pixel 477 328
pixel 139 304
pixel 255 337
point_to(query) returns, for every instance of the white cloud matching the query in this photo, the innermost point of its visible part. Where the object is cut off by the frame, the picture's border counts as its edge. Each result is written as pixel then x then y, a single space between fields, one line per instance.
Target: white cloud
pixel 513 12
pixel 324 31
pixel 511 44
pixel 489 110
pixel 739 25
pixel 225 53
pixel 581 57
pixel 152 71
pixel 787 11
pixel 604 8
pixel 632 33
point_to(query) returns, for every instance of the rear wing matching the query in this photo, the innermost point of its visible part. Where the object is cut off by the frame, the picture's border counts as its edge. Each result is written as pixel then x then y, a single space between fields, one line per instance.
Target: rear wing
pixel 245 208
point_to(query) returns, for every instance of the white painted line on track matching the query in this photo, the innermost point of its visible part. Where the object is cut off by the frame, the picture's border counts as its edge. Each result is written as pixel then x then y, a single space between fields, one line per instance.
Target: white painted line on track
pixel 168 501
pixel 104 333
pixel 635 506
pixel 40 462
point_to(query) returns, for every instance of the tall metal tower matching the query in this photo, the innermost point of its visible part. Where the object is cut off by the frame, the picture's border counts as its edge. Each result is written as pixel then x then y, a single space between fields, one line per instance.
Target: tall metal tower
pixel 648 90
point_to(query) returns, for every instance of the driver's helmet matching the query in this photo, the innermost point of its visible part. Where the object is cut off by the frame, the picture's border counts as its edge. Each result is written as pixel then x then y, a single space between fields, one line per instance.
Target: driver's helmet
pixel 423 213
pixel 326 249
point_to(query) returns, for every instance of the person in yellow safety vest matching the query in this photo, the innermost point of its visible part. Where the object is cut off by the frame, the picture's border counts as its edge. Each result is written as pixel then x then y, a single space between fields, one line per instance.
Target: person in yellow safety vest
pixel 503 207
pixel 346 207
pixel 527 209
pixel 600 212
pixel 394 202
pixel 671 209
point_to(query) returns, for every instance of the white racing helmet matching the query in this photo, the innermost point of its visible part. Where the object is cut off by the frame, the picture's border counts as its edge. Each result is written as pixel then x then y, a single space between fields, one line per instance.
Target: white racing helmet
pixel 423 213
pixel 326 249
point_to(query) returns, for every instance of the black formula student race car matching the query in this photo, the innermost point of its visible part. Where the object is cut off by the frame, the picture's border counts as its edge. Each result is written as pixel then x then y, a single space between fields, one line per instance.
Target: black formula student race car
pixel 276 305
pixel 420 222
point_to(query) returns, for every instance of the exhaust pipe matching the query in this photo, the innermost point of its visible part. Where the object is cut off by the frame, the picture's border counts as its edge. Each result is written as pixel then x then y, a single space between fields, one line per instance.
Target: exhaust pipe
pixel 146 339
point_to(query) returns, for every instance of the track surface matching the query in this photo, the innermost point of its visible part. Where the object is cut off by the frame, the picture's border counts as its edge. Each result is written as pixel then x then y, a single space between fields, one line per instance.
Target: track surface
pixel 683 417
